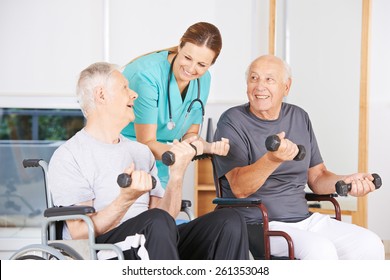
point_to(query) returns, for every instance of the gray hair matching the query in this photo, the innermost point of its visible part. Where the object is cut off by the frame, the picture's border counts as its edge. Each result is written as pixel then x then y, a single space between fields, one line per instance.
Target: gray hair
pixel 286 67
pixel 93 76
pixel 287 71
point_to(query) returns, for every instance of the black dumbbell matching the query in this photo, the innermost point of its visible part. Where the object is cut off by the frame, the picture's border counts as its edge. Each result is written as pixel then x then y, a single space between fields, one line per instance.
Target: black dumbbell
pixel 342 188
pixel 272 144
pixel 124 180
pixel 168 158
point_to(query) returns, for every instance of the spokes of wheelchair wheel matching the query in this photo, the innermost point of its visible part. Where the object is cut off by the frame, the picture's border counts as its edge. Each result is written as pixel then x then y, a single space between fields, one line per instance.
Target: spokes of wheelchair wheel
pixel 67 251
pixel 37 252
pixel 38 255
pixel 54 251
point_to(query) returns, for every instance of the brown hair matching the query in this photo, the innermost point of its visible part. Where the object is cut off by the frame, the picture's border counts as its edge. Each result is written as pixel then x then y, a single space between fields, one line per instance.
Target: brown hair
pixel 199 34
pixel 203 34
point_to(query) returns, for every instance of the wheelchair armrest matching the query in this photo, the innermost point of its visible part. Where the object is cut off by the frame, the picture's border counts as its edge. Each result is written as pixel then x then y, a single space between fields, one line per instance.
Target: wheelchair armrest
pixel 68 210
pixel 326 197
pixel 254 202
pixel 320 197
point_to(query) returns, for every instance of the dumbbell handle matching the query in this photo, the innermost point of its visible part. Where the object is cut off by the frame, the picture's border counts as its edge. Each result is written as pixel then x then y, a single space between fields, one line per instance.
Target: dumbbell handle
pixel 124 180
pixel 272 144
pixel 342 188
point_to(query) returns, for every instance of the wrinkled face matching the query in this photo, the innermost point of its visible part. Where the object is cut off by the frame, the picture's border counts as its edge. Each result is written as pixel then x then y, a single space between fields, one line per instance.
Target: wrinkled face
pixel 192 62
pixel 266 87
pixel 121 98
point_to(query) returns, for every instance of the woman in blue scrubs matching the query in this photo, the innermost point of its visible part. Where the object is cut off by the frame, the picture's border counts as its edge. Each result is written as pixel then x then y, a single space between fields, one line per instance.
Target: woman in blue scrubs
pixel 173 86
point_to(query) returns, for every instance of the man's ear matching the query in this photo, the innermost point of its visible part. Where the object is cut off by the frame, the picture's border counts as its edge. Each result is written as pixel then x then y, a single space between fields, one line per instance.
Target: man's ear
pixel 99 95
pixel 287 86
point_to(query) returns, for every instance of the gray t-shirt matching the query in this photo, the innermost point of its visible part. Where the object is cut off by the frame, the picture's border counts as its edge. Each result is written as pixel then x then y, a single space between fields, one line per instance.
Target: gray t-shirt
pixel 84 169
pixel 283 192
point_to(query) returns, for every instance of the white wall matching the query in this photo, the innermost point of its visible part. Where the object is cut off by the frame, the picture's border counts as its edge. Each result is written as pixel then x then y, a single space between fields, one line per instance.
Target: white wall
pixel 136 28
pixel 379 131
pixel 45 43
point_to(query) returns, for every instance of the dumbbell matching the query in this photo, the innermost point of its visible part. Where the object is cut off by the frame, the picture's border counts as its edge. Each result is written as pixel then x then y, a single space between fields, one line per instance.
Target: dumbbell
pixel 168 158
pixel 124 180
pixel 272 144
pixel 342 188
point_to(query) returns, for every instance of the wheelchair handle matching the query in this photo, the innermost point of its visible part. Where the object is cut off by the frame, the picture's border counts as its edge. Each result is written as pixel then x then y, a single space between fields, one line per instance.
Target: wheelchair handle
pixel 31 163
pixel 124 180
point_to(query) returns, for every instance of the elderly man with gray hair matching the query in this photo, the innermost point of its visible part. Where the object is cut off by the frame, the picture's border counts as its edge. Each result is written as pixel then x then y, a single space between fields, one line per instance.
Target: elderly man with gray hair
pixel 140 219
pixel 251 170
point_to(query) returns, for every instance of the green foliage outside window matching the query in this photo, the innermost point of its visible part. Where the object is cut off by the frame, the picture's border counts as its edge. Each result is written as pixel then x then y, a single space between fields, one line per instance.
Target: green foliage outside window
pixel 21 124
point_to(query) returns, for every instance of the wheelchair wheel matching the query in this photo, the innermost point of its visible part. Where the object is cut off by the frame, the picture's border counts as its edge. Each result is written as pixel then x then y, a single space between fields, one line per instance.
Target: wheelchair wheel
pixel 37 252
pixel 30 257
pixel 67 251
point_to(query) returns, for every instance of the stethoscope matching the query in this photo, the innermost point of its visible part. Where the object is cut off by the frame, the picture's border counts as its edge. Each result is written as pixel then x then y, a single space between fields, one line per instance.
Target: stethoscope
pixel 171 124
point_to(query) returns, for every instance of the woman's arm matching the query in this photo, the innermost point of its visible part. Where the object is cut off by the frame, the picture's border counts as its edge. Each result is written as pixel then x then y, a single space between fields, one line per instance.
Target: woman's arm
pixel 147 134
pixel 220 148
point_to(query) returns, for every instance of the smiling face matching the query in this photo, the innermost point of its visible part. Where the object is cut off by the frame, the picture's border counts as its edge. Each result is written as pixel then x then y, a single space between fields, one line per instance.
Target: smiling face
pixel 267 85
pixel 121 98
pixel 192 62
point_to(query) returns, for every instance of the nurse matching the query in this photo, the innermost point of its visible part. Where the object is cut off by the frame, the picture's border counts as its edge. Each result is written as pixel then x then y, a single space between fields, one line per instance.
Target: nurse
pixel 173 86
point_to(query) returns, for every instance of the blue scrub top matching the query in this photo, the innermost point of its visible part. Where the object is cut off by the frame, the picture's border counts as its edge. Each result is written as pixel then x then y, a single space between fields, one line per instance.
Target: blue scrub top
pixel 148 77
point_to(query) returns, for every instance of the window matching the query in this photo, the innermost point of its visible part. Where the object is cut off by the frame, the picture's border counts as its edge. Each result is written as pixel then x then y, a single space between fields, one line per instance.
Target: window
pixel 28 133
pixel 39 124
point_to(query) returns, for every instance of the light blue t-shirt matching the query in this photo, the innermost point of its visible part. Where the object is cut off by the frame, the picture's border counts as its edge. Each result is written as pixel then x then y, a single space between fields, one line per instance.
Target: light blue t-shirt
pixel 84 168
pixel 148 77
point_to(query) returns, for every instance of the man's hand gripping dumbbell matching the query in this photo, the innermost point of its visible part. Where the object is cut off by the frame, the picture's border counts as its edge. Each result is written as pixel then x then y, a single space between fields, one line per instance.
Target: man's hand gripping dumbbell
pixel 272 143
pixel 343 188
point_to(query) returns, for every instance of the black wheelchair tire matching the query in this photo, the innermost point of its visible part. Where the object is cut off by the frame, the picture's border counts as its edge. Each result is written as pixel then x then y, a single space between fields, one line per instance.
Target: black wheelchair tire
pixel 30 257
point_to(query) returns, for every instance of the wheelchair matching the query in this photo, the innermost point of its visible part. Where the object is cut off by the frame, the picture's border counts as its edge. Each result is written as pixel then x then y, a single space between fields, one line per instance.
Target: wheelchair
pixel 261 232
pixel 52 247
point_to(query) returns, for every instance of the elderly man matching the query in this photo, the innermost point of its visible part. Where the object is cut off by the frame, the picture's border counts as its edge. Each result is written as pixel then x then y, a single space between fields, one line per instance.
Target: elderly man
pixel 250 170
pixel 139 219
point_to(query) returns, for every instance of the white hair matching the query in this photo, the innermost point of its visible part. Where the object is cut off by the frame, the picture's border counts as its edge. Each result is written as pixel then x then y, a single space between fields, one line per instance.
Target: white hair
pixel 93 76
pixel 286 67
